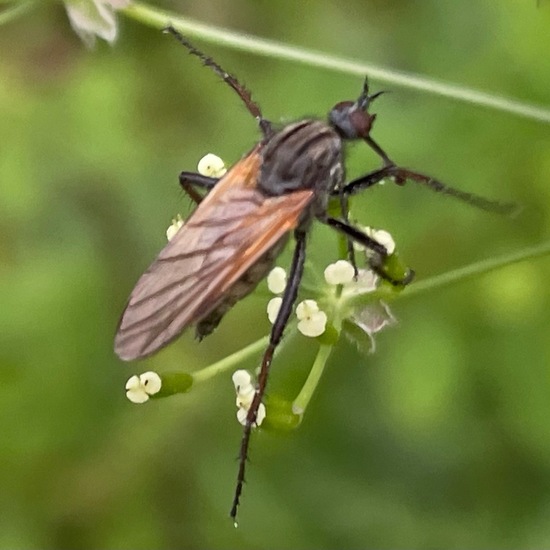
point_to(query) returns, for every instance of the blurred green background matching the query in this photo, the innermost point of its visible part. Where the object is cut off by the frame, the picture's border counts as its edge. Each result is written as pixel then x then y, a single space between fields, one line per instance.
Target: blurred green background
pixel 439 440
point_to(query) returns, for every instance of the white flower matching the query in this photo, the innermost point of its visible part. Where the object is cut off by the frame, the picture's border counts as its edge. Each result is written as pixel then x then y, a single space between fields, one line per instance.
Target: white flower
pixel 379 235
pixel 212 166
pixel 372 319
pixel 339 273
pixel 312 321
pixel 91 18
pixel 367 281
pixel 140 388
pixel 246 391
pixel 276 280
pixel 177 223
pixel 273 307
pixel 245 397
pixel 260 416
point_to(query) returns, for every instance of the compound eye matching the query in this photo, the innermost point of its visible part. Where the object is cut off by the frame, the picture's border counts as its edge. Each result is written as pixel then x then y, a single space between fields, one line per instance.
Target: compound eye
pixel 350 121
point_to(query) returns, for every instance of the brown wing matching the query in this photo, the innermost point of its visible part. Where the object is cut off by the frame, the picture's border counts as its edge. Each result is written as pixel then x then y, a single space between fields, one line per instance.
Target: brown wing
pixel 228 232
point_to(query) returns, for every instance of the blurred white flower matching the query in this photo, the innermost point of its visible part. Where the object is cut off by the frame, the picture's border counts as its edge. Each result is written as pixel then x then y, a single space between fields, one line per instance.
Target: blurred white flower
pixel 312 321
pixel 212 166
pixel 177 223
pixel 140 388
pixel 91 18
pixel 276 280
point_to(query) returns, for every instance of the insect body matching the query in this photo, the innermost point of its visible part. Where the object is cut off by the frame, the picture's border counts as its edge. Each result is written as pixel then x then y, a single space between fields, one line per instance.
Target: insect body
pixel 233 237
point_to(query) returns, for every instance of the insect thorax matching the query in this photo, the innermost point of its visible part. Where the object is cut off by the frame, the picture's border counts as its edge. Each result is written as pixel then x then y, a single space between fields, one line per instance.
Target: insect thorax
pixel 304 155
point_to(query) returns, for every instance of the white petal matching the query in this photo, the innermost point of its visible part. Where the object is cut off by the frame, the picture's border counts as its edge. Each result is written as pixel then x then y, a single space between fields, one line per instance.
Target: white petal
pixel 93 18
pixel 177 224
pixel 339 273
pixel 137 395
pixel 379 235
pixel 241 378
pixel 385 239
pixel 241 416
pixel 260 417
pixel 273 307
pixel 151 382
pixel 245 395
pixel 314 325
pixel 306 309
pixel 367 281
pixel 244 399
pixel 212 166
pixel 133 383
pixel 276 280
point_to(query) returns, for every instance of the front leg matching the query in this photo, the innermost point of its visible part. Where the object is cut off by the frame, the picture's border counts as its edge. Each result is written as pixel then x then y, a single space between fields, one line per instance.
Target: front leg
pixel 376 261
pixel 191 180
pixel 401 175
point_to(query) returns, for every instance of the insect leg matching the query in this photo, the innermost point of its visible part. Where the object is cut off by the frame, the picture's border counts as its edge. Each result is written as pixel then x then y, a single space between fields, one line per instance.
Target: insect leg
pixel 364 182
pixel 401 175
pixel 350 188
pixel 190 180
pixel 380 253
pixel 242 92
pixel 289 297
pixel 344 208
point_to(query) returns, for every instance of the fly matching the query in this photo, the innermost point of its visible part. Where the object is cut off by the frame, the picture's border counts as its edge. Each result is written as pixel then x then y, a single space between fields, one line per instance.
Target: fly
pixel 231 240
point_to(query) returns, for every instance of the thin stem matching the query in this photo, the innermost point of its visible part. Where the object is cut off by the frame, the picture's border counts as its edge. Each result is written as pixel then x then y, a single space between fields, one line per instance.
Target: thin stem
pixel 11 13
pixel 271 48
pixel 477 268
pixel 451 277
pixel 231 360
pixel 302 400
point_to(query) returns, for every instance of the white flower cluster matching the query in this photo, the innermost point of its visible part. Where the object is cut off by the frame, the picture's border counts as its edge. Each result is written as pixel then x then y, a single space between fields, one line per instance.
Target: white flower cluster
pixel 140 388
pixel 312 321
pixel 245 395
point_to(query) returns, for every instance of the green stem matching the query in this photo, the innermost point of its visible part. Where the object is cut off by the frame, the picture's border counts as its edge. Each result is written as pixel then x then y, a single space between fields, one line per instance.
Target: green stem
pixel 155 17
pixel 477 268
pixel 9 14
pixel 451 277
pixel 230 361
pixel 302 400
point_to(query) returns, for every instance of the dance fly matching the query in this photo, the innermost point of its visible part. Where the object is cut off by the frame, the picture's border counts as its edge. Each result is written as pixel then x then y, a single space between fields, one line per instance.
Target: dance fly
pixel 240 226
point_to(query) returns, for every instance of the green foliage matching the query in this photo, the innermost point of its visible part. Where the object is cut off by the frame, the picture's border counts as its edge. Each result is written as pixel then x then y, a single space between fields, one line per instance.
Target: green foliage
pixel 439 439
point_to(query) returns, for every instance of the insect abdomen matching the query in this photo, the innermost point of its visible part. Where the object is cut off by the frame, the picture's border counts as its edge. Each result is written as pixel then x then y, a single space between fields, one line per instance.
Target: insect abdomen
pixel 244 286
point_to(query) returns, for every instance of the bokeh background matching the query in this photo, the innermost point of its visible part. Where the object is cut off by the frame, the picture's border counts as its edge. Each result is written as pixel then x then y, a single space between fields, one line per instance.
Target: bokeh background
pixel 439 440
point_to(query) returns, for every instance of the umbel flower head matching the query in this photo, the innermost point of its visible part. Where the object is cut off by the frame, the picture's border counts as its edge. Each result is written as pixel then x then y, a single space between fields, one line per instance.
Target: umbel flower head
pixel 348 302
pixel 312 317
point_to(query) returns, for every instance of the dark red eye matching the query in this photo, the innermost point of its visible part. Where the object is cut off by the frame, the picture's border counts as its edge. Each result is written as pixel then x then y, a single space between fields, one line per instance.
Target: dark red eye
pixel 350 120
